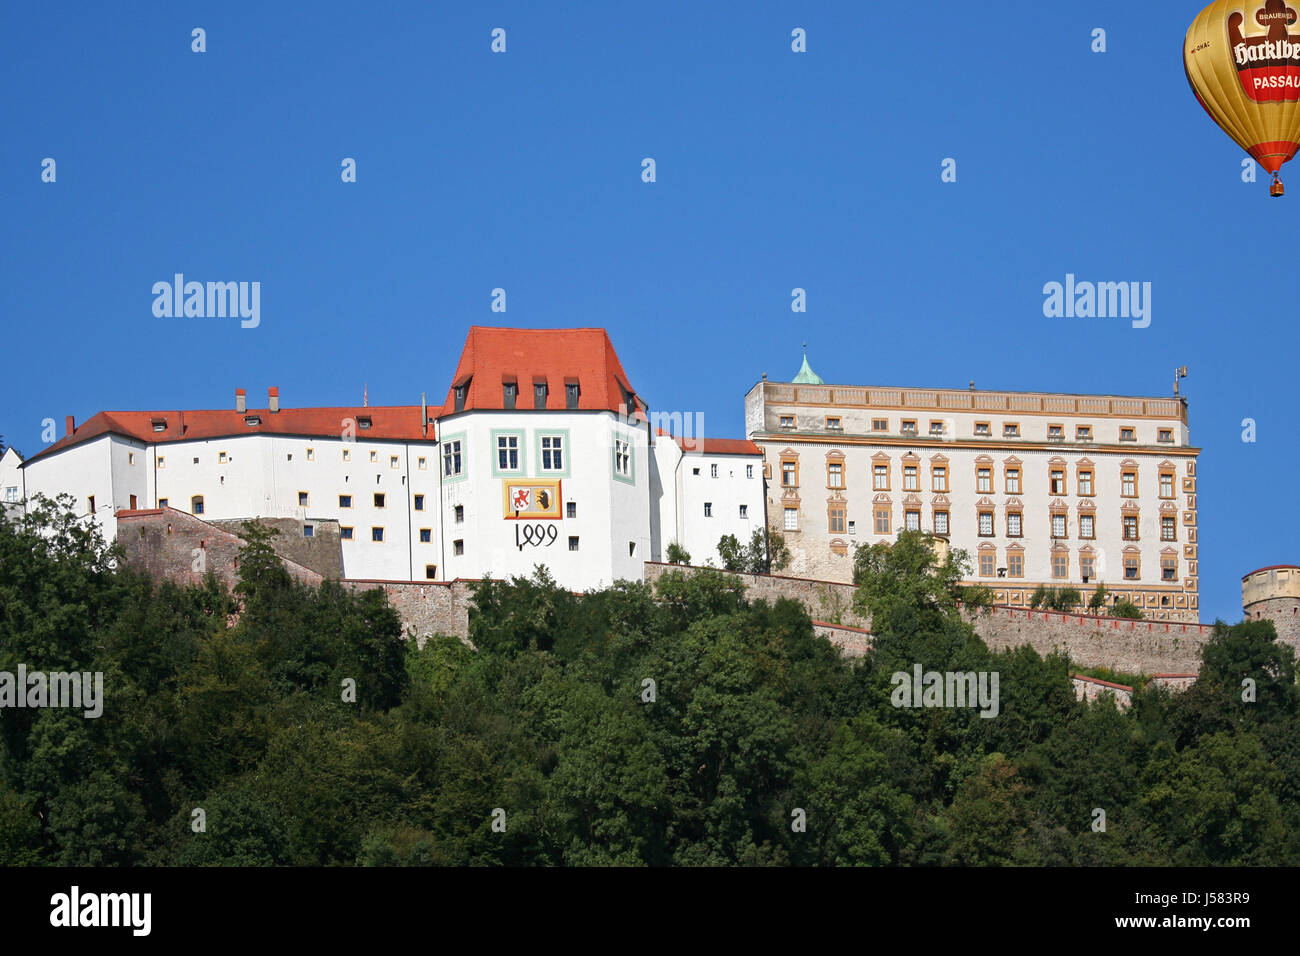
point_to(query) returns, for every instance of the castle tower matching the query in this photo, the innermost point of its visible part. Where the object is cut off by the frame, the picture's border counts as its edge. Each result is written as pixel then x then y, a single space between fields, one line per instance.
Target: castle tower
pixel 1273 594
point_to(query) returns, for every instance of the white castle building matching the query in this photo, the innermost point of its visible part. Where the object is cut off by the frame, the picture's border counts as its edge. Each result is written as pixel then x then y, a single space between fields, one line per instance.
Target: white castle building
pixel 544 453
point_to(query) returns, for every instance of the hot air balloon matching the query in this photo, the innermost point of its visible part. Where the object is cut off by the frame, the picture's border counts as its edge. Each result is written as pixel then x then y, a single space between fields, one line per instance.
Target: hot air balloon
pixel 1243 63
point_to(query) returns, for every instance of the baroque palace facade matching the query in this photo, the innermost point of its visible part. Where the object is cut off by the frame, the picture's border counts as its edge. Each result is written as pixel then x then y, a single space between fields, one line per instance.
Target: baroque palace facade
pixel 1038 488
pixel 543 453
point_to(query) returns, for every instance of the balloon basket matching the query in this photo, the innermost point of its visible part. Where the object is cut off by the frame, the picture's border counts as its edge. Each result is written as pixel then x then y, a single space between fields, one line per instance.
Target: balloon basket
pixel 1276 190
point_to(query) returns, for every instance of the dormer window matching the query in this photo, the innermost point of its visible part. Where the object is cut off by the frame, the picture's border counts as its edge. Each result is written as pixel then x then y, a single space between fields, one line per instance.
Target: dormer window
pixel 571 395
pixel 509 392
pixel 363 422
pixel 159 424
pixel 460 396
pixel 252 420
pixel 539 394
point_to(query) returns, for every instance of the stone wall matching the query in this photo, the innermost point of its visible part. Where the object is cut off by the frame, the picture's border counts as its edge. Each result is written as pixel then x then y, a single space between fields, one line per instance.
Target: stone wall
pixel 322 552
pixel 1140 647
pixel 162 542
pixel 426 607
pixel 1136 647
pixel 852 641
pixel 177 546
pixel 830 601
pixel 1090 688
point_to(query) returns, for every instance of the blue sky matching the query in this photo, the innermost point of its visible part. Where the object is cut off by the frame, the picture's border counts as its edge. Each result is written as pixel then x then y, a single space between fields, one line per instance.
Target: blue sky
pixel 522 170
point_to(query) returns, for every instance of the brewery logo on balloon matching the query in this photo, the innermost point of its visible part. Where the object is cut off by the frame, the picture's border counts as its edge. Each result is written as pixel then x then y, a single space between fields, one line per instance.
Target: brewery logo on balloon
pixel 1267 56
pixel 1242 59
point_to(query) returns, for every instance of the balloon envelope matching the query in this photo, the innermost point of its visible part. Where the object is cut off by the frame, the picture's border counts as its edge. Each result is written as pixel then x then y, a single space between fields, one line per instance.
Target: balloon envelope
pixel 1242 59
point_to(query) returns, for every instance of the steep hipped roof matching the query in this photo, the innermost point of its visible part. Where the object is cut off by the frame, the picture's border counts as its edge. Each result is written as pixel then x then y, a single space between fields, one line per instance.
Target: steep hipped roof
pixel 392 423
pixel 494 356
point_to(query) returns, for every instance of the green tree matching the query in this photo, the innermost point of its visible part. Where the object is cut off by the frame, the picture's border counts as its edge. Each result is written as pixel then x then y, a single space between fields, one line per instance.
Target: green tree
pixel 1126 609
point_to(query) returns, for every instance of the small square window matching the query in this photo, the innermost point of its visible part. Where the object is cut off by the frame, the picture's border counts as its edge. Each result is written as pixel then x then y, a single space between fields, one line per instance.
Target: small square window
pixel 1083 433
pixel 1165 435
pixel 749 471
pixel 419 502
pixel 787 421
pixel 909 426
pixel 426 535
pixel 347 454
pixel 1127 434
pixel 431 572
pixel 713 471
pixel 708 509
pixel 376 534
pixel 308 531
pixel 302 499
pixel 392 461
pixel 311 454
pixel 744 511
pixel 345 532
pixel 982 428
pixel 833 424
pixel 422 463
pixel 853 527
pixel 570 509
pixel 936 428
pixel 458 546
pixel 374 457
pixel 573 542
pixel 162 502
pixel 880 424
pixel 221 458
pixel 162 461
pixel 791 519
pixel 1011 430
pixel 345 501
pixel 379 499
pixel 460 513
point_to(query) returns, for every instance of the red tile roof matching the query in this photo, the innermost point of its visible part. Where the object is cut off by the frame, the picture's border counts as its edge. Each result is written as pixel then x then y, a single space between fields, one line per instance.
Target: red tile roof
pixel 493 356
pixel 390 423
pixel 713 446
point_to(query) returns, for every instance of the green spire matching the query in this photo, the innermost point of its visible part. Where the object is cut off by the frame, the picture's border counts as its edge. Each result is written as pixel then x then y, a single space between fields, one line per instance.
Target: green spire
pixel 806 375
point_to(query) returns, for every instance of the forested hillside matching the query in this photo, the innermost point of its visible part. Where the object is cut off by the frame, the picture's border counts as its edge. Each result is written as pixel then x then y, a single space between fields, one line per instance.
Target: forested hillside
pixel 686 727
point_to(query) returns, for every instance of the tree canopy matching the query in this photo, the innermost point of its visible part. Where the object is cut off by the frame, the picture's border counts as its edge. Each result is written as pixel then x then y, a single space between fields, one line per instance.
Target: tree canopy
pixel 674 725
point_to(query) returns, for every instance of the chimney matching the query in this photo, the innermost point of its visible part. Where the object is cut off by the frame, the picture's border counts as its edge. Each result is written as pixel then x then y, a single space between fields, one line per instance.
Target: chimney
pixel 241 401
pixel 71 424
pixel 273 398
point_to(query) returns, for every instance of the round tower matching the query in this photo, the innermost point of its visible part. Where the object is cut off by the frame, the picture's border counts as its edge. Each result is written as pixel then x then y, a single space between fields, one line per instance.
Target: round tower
pixel 1273 594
